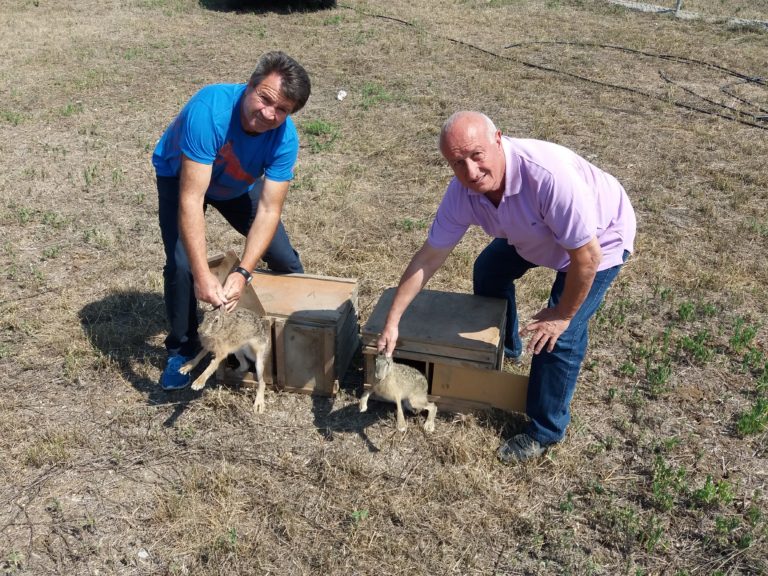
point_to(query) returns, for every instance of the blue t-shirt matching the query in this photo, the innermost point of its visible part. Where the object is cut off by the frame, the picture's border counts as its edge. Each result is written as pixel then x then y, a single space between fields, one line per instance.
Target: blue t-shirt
pixel 208 130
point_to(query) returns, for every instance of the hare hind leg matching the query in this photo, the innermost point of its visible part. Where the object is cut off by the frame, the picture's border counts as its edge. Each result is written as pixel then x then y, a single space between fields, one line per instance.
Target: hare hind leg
pixel 242 361
pixel 419 403
pixel 257 352
pixel 401 425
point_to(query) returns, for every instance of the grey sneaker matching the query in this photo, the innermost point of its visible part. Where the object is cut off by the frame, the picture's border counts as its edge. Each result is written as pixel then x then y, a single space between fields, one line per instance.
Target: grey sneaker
pixel 519 449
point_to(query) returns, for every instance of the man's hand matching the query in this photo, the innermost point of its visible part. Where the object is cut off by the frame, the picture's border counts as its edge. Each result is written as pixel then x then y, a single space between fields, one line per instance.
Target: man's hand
pixel 208 289
pixel 545 329
pixel 233 289
pixel 388 339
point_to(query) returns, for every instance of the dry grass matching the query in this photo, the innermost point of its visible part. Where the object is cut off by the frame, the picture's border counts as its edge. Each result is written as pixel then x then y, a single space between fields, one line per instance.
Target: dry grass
pixel 664 469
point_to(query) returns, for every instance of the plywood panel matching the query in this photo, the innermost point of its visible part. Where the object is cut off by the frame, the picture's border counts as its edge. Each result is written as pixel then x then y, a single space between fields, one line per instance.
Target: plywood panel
pixel 502 390
pixel 462 322
pixel 305 298
pixel 308 360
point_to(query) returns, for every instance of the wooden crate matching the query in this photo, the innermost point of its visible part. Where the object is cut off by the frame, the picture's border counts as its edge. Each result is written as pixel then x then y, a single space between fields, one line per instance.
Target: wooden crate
pixel 315 330
pixel 457 341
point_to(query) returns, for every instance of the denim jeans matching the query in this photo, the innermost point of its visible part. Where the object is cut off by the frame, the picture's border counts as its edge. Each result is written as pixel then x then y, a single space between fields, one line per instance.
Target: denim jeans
pixel 552 380
pixel 178 288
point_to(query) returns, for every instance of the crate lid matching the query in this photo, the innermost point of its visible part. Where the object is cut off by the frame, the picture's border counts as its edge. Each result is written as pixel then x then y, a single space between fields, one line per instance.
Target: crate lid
pixel 451 320
pixel 305 297
pixel 318 298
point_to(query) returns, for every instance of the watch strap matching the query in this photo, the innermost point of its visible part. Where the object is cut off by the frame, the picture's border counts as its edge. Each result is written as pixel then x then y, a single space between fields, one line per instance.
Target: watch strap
pixel 244 273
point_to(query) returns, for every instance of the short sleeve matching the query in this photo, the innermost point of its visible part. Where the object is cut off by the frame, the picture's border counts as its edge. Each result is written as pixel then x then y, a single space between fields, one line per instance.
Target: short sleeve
pixel 199 140
pixel 451 220
pixel 280 168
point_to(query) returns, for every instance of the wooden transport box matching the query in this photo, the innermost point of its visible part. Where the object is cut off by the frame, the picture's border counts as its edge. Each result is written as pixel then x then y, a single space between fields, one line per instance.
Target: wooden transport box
pixel 315 329
pixel 457 341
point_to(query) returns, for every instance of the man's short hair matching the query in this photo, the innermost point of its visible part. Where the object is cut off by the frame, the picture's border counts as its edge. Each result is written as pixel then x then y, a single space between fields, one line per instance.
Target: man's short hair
pixel 489 125
pixel 295 85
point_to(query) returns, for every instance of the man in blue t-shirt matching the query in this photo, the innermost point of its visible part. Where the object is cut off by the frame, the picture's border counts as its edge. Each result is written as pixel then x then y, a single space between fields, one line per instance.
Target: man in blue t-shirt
pixel 233 147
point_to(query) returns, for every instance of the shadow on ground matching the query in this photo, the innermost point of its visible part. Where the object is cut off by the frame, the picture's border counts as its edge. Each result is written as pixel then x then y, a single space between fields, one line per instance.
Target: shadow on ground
pixel 264 6
pixel 121 326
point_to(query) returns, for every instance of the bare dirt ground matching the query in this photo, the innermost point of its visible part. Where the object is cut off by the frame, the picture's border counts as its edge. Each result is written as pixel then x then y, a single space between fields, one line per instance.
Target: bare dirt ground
pixel 665 466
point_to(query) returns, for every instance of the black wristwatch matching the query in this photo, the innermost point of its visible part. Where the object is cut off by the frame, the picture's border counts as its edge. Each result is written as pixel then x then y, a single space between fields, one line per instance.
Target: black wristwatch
pixel 247 275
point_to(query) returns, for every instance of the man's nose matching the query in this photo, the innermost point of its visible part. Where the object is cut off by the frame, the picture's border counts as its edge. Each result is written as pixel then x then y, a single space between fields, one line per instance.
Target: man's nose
pixel 472 170
pixel 269 112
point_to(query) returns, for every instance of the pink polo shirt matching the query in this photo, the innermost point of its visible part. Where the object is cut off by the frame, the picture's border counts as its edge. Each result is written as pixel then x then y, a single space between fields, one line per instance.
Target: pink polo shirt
pixel 554 200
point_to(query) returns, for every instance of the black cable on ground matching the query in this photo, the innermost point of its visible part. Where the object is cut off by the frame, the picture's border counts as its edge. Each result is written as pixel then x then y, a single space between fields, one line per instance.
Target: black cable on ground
pixel 681 59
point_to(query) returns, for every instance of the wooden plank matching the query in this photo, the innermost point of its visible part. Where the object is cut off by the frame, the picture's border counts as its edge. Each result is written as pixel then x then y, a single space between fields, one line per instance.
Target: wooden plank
pixel 498 389
pixel 305 357
pixel 464 324
pixel 278 343
pixel 430 356
pixel 301 296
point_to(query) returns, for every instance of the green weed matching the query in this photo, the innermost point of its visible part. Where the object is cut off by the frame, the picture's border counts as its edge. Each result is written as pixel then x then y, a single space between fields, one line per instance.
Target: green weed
pixel 24 214
pixel 71 109
pixel 762 380
pixel 54 219
pixel 374 94
pixel 713 493
pixel 696 346
pixel 358 516
pixel 409 224
pixel 726 525
pixel 743 334
pixel 12 563
pixel 567 504
pixel 686 310
pixel 89 174
pixel 657 376
pixel 651 534
pixel 753 358
pixel 628 369
pixel 667 483
pixel 759 228
pixel 755 420
pixel 51 252
pixel 51 449
pixel 321 135
pixel 333 20
pixel 753 515
pixel 11 117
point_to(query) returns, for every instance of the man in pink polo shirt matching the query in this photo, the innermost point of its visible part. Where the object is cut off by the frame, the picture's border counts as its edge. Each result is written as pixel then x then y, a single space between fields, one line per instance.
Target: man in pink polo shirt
pixel 545 206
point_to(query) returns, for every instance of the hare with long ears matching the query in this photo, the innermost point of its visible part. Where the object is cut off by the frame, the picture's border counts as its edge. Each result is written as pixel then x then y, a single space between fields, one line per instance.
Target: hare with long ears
pixel 400 383
pixel 241 332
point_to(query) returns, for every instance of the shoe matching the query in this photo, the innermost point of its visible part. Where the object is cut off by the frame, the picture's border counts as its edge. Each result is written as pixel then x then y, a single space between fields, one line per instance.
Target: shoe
pixel 171 378
pixel 512 357
pixel 519 449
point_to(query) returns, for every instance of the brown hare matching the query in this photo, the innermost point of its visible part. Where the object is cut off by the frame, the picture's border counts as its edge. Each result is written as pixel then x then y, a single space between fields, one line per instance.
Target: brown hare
pixel 241 332
pixel 400 383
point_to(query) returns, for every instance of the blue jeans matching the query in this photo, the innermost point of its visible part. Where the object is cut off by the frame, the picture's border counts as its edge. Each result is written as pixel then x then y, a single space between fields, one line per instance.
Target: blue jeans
pixel 552 380
pixel 178 288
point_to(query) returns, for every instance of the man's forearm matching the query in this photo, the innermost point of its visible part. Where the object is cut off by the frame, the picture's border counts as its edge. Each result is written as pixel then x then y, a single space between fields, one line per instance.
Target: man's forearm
pixel 192 231
pixel 579 278
pixel 259 238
